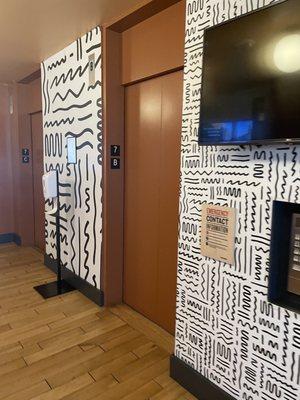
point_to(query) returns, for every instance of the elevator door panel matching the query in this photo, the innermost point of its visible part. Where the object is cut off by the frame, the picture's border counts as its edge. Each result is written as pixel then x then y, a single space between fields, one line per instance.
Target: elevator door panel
pixel 37 167
pixel 153 111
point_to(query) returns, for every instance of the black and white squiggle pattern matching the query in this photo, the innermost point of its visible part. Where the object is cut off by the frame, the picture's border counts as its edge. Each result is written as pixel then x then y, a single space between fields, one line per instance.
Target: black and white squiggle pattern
pixel 72 107
pixel 226 329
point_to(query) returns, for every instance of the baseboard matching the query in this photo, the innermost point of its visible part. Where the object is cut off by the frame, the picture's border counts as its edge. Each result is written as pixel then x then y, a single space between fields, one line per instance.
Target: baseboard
pixel 10 238
pixel 195 383
pixel 17 239
pixel 84 287
pixel 80 284
pixel 6 238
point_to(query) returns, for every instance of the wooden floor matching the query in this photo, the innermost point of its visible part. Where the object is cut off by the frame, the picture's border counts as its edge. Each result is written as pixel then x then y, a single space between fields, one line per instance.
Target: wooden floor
pixel 69 348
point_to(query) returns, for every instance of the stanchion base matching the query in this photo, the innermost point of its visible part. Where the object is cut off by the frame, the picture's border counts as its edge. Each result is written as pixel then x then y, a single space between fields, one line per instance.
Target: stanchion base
pixel 53 289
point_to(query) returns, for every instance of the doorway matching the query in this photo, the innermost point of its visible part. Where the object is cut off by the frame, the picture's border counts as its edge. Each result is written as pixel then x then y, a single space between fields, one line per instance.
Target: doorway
pixel 153 116
pixel 37 173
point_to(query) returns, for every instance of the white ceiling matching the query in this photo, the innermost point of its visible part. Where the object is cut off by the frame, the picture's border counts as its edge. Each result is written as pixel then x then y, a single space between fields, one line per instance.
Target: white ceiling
pixel 32 30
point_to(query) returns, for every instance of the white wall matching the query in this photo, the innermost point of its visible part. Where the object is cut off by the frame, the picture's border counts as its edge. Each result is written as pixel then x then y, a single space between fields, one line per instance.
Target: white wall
pixel 226 329
pixel 72 106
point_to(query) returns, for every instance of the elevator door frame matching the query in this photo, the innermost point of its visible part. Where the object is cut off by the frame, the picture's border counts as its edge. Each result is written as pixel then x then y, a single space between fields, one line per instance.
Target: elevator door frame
pixel 113 134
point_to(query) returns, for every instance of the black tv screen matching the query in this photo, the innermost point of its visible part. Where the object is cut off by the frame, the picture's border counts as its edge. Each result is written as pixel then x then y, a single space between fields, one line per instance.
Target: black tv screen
pixel 251 78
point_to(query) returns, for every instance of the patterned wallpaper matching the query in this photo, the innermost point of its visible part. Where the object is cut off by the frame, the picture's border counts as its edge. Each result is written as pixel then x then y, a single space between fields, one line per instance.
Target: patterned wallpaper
pixel 72 107
pixel 226 329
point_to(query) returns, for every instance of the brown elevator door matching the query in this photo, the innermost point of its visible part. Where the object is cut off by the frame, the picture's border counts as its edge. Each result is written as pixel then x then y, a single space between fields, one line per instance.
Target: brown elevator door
pixel 37 167
pixel 153 114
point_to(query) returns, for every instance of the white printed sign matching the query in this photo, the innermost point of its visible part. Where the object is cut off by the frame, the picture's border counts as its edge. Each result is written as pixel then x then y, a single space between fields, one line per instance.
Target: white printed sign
pixel 218 232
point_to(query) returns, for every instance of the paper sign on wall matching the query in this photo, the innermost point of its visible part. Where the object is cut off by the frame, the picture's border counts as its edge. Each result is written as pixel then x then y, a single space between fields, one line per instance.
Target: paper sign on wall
pixel 218 232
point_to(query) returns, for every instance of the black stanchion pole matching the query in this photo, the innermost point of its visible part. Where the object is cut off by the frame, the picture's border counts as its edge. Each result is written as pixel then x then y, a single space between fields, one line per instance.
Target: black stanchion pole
pixel 58 248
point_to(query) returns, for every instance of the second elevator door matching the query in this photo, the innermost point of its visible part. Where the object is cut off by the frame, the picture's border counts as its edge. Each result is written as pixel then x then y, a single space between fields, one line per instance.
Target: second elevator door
pixel 37 167
pixel 153 113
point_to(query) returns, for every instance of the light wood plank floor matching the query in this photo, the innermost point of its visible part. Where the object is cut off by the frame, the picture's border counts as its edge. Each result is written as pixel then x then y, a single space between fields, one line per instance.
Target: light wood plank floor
pixel 69 348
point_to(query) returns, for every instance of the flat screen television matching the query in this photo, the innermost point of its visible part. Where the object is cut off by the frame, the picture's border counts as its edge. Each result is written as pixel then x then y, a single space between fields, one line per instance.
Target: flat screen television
pixel 251 78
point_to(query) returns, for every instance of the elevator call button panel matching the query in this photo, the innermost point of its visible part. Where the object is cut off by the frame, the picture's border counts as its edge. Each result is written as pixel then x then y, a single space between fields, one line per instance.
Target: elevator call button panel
pixel 294 261
pixel 295 250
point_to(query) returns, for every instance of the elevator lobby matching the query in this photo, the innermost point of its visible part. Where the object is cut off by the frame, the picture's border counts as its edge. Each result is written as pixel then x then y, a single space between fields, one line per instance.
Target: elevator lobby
pixel 149 200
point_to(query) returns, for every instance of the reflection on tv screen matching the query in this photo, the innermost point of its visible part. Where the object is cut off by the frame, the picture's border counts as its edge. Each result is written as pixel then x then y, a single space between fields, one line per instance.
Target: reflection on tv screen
pixel 228 131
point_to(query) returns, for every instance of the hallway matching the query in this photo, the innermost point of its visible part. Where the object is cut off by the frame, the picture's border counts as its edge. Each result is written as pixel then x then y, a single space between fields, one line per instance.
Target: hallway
pixel 69 348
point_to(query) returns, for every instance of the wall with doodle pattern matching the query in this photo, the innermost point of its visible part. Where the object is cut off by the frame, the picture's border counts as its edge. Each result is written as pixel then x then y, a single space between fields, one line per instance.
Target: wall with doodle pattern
pixel 225 327
pixel 72 107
